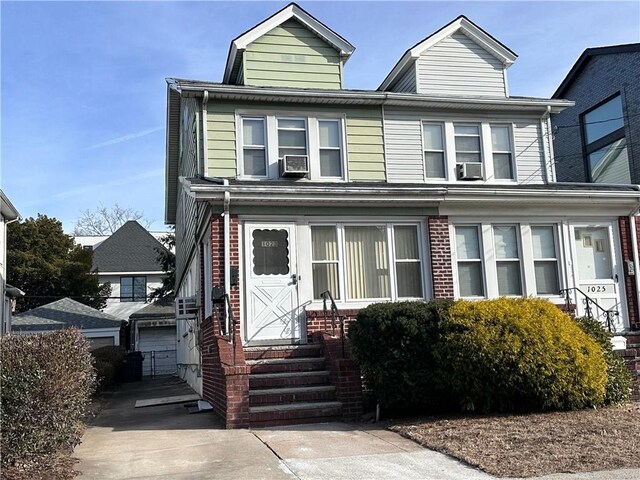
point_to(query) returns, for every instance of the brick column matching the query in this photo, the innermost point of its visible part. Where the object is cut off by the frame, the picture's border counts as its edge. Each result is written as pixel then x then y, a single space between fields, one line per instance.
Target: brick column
pixel 217 258
pixel 630 281
pixel 440 256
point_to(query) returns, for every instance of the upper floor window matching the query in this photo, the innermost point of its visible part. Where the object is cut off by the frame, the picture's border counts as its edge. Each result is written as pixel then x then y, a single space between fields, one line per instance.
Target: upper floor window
pixel 467 143
pixel 265 140
pixel 133 289
pixel 254 147
pixel 434 164
pixel 605 143
pixel 502 152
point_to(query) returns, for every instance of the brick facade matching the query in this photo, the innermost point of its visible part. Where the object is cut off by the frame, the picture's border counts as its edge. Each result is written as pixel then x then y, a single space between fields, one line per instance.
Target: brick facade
pixel 630 281
pixel 631 358
pixel 217 259
pixel 440 256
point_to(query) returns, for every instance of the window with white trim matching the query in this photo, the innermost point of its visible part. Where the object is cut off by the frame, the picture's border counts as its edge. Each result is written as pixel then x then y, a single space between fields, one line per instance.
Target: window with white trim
pixel 133 289
pixel 367 262
pixel 330 145
pixel 469 256
pixel 468 143
pixel 545 259
pixel 511 259
pixel 433 142
pixel 292 136
pixel 502 152
pixel 254 147
pixel 507 254
pixel 265 139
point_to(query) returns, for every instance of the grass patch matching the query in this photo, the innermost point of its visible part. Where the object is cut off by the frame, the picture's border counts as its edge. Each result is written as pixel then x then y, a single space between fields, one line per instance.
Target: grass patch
pixel 534 444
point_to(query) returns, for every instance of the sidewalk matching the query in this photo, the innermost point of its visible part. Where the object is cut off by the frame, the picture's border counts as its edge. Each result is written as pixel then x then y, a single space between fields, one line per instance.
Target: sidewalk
pixel 165 442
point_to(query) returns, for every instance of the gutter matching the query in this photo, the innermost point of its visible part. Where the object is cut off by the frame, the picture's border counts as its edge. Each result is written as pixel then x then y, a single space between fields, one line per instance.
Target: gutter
pixel 205 143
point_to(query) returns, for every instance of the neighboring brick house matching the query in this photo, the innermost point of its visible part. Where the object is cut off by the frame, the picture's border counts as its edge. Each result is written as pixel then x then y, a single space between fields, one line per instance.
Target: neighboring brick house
pixel 284 185
pixel 598 139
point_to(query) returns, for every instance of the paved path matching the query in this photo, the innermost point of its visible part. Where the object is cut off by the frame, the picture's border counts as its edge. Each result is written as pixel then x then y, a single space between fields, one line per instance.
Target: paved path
pixel 165 442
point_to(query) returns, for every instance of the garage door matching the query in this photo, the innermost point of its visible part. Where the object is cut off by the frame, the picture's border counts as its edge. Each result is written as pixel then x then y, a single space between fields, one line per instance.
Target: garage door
pixel 158 345
pixel 97 342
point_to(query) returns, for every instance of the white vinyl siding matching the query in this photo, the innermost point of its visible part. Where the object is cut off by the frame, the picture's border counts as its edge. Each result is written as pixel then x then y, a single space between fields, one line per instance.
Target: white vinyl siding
pixel 404 144
pixel 459 66
pixel 407 82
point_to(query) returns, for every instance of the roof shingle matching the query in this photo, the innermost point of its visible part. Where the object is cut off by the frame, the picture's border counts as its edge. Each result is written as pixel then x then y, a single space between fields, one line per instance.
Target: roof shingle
pixel 63 314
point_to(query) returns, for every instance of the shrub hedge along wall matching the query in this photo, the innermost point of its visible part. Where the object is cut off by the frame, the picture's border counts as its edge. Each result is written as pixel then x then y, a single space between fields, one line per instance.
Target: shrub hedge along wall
pixel 46 381
pixel 499 355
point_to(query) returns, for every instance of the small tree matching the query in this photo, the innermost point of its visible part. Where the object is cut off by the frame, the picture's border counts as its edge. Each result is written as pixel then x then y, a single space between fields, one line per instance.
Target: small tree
pixel 167 260
pixel 45 263
pixel 106 220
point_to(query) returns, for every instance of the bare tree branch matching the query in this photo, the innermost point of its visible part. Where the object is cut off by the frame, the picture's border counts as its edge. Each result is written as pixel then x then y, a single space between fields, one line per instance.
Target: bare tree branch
pixel 106 220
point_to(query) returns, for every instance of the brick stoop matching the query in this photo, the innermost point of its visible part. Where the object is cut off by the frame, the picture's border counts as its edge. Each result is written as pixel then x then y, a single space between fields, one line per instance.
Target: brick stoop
pixel 290 385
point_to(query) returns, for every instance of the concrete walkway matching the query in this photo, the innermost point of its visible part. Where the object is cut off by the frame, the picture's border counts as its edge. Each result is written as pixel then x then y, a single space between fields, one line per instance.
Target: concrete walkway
pixel 165 442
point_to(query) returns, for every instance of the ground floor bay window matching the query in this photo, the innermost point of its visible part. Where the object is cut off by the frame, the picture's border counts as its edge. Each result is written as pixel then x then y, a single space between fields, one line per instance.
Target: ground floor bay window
pixel 367 262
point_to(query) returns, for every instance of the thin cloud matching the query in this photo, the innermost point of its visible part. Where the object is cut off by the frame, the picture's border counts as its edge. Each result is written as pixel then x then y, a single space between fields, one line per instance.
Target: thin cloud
pixel 102 186
pixel 124 138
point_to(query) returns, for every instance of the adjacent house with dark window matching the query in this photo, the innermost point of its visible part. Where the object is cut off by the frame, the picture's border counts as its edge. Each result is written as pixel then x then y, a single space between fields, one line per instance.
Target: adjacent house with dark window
pixel 288 190
pixel 598 141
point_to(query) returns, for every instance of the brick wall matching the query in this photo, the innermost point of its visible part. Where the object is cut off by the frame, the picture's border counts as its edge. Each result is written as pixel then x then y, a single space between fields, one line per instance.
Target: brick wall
pixel 225 377
pixel 345 375
pixel 217 259
pixel 631 358
pixel 602 77
pixel 440 250
pixel 315 321
pixel 630 281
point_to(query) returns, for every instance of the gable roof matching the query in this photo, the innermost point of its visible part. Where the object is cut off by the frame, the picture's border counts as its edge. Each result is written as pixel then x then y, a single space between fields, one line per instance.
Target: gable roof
pixel 239 44
pixel 131 248
pixel 462 24
pixel 161 308
pixel 582 61
pixel 63 314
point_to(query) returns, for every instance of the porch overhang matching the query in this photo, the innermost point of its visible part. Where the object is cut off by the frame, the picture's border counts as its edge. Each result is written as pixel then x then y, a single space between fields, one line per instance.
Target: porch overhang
pixel 622 200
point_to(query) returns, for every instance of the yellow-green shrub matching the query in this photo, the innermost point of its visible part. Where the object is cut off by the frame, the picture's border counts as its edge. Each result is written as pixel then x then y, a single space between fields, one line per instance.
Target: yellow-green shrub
pixel 518 354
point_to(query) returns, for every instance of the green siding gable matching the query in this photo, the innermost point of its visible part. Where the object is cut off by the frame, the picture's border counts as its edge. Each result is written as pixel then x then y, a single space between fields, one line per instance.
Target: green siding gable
pixel 365 151
pixel 291 55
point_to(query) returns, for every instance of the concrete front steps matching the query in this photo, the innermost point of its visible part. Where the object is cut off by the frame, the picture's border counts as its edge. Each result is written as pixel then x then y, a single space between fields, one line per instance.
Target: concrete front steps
pixel 290 385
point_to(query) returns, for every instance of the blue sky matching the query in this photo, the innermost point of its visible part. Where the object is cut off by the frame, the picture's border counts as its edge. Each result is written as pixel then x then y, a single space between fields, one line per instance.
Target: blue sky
pixel 83 91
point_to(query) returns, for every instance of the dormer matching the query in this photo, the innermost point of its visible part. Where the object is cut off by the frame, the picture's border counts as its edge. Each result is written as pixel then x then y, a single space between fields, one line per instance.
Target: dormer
pixel 289 49
pixel 460 59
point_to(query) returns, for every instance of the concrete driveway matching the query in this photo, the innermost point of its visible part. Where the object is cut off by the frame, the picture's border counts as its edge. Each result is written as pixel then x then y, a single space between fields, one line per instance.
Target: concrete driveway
pixel 166 442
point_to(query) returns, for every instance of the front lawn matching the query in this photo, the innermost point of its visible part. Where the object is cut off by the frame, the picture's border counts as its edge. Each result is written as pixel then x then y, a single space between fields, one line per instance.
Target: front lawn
pixel 535 444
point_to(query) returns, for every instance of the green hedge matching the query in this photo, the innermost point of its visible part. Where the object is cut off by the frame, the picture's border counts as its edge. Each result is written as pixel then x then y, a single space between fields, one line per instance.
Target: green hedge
pixel 46 381
pixel 393 344
pixel 493 355
pixel 619 378
pixel 107 362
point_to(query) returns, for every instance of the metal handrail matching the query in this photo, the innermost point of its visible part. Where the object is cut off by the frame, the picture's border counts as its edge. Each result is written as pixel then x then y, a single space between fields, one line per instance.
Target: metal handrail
pixel 588 301
pixel 335 315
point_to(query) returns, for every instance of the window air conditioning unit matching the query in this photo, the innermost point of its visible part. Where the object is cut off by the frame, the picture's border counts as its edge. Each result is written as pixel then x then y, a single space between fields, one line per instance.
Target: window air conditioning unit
pixel 186 307
pixel 294 166
pixel 470 171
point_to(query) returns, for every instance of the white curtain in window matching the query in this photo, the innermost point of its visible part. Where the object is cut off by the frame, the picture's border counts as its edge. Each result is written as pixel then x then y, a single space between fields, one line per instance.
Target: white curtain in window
pixel 469 262
pixel 367 262
pixel 409 277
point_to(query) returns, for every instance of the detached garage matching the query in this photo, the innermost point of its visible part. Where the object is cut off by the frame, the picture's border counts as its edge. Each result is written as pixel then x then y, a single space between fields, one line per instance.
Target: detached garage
pixel 100 328
pixel 154 335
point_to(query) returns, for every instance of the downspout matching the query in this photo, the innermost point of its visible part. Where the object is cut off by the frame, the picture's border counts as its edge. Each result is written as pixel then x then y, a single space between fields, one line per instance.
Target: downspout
pixel 552 163
pixel 227 251
pixel 202 169
pixel 634 248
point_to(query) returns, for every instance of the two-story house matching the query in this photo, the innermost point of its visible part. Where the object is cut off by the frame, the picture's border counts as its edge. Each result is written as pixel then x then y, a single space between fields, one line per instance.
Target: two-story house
pixel 283 185
pixel 598 139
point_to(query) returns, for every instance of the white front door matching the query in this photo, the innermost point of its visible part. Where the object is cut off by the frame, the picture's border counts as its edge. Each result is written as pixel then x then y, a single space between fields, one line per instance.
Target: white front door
pixel 597 272
pixel 272 283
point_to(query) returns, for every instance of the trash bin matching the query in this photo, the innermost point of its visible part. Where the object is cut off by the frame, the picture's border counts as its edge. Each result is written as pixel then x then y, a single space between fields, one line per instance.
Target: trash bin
pixel 131 370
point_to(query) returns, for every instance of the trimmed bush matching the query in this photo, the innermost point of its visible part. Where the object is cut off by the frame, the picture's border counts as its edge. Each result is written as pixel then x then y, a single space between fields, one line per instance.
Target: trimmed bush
pixel 46 381
pixel 107 362
pixel 619 378
pixel 518 354
pixel 392 343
